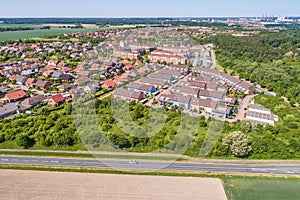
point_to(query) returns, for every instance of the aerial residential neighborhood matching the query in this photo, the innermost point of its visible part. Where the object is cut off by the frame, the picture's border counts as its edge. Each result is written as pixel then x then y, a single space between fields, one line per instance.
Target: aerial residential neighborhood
pixel 150 100
pixel 155 73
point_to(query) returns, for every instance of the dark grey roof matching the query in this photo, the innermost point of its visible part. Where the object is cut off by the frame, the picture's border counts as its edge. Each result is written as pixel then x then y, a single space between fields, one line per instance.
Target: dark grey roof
pixel 57 75
pixel 8 109
pixel 34 100
pixel 160 76
pixel 21 79
pixel 152 81
pixel 139 86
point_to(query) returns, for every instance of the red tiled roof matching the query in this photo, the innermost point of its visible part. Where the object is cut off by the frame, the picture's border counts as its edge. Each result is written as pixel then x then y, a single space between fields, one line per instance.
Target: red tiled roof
pixel 51 67
pixel 15 95
pixel 125 62
pixel 109 83
pixel 66 69
pixel 128 67
pixel 13 77
pixel 118 79
pixel 138 62
pixel 57 98
pixel 30 81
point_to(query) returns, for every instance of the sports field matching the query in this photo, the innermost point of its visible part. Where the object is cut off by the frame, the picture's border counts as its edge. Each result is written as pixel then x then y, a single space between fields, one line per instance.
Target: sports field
pixel 260 188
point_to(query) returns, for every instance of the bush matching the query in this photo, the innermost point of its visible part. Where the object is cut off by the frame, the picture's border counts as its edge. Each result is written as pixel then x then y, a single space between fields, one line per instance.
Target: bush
pixel 293 126
pixel 238 143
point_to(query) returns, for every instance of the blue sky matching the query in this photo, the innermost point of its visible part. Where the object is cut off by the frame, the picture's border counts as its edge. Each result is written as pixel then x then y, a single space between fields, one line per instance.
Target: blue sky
pixel 150 8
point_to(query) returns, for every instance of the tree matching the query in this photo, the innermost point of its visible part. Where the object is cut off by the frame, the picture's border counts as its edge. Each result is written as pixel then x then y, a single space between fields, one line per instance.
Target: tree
pixel 238 143
pixel 119 141
pixel 68 109
pixel 25 141
pixel 2 138
pixel 45 111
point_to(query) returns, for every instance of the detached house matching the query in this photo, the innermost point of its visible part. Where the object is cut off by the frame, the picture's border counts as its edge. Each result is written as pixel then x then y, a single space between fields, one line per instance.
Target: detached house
pixel 57 75
pixel 8 110
pixel 82 81
pixel 15 96
pixel 64 87
pixel 56 100
pixel 109 84
pixel 91 88
pixel 67 78
pixel 42 84
pixel 30 82
pixel 33 101
pixel 21 80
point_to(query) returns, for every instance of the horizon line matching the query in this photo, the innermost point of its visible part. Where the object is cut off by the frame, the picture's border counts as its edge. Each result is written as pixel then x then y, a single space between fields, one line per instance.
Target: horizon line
pixel 132 17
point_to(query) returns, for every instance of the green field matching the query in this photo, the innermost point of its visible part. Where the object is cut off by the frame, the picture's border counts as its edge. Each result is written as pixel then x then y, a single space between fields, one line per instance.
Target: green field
pixel 16 35
pixel 21 25
pixel 260 188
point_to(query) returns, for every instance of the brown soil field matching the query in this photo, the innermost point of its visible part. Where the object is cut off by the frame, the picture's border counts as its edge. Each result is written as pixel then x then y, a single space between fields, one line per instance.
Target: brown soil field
pixel 62 185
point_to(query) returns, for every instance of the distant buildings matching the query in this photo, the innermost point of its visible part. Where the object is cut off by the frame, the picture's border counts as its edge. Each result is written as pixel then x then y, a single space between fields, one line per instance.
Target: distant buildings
pixel 167 56
pixel 127 54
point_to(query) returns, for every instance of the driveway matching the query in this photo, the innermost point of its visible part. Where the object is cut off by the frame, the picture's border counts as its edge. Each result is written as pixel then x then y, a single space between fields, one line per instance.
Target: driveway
pixel 242 109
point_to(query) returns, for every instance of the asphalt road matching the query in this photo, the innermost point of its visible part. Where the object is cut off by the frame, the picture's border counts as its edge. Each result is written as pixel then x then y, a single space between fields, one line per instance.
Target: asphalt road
pixel 280 169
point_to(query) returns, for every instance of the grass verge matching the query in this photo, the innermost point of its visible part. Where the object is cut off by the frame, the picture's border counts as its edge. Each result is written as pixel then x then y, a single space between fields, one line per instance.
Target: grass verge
pixel 86 155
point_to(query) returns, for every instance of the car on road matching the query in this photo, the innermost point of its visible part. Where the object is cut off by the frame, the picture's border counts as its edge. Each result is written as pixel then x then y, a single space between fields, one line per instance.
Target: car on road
pixel 133 162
